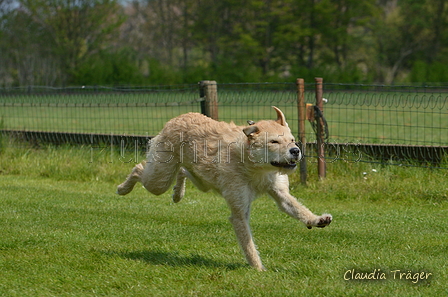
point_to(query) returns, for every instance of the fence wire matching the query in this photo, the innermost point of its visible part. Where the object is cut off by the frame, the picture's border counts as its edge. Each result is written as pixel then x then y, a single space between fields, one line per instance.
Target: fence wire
pixel 400 125
pixel 242 102
pixel 96 110
pixel 387 115
pixel 368 123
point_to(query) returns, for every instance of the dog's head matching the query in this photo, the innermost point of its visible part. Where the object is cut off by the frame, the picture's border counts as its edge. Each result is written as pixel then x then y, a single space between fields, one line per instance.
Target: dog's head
pixel 271 144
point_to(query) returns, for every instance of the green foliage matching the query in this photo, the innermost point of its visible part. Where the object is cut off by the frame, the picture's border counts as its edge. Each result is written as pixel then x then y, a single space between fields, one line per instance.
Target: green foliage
pixel 2 137
pixel 49 40
pixel 348 74
pixel 107 68
pixel 230 71
pixel 434 72
pixel 61 42
pixel 162 74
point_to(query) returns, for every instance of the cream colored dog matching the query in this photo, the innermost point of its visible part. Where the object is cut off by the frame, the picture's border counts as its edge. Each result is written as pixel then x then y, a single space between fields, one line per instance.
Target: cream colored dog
pixel 240 163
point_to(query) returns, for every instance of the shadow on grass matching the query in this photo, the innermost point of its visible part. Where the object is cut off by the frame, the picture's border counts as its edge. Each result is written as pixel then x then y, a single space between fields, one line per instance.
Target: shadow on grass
pixel 174 259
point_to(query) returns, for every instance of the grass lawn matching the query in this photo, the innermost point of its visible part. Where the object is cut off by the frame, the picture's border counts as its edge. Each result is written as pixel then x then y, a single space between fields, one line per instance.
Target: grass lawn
pixel 65 233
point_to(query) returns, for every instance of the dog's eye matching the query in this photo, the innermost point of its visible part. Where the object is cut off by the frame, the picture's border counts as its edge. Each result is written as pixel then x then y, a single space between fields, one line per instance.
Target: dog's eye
pixel 273 141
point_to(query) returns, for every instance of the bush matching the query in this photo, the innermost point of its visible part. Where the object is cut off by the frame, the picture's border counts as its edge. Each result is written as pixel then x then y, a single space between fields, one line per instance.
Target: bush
pixel 108 68
pixel 423 72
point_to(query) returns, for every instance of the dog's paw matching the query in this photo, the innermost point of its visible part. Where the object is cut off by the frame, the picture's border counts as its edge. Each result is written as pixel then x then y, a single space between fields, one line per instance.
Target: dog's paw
pixel 324 220
pixel 262 268
pixel 177 196
pixel 121 190
pixel 178 192
pixel 321 222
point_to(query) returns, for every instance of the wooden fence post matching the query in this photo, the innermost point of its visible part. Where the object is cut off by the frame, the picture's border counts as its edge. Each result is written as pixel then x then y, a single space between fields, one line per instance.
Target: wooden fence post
pixel 209 91
pixel 321 166
pixel 301 108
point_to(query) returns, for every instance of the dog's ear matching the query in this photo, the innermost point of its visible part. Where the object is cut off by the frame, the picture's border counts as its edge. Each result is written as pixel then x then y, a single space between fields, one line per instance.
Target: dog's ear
pixel 250 122
pixel 250 130
pixel 280 117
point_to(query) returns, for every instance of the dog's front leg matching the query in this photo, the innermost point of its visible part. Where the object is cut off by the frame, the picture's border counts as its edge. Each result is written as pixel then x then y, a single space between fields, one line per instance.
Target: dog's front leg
pixel 289 204
pixel 240 222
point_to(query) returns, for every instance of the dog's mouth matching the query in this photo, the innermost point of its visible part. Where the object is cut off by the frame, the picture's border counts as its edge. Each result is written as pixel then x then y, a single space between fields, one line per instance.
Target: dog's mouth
pixel 290 165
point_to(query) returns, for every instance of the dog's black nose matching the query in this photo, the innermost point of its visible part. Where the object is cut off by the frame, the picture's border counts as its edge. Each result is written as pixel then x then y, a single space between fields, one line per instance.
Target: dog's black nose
pixel 295 151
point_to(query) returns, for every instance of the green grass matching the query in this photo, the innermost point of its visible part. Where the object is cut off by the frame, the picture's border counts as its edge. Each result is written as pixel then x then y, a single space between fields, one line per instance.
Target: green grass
pixel 65 233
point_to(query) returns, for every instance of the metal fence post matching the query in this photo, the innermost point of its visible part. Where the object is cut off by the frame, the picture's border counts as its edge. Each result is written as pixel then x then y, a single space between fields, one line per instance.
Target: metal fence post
pixel 321 166
pixel 301 108
pixel 209 91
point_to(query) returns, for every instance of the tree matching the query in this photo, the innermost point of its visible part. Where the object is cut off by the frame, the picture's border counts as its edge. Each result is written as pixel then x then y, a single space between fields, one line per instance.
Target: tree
pixel 412 31
pixel 66 31
pixel 57 42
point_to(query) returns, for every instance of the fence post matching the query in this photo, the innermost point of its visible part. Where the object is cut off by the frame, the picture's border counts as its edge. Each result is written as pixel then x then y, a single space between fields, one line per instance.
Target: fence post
pixel 321 166
pixel 209 91
pixel 301 108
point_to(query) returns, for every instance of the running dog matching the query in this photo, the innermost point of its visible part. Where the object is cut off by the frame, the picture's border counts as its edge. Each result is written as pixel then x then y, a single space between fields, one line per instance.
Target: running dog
pixel 238 162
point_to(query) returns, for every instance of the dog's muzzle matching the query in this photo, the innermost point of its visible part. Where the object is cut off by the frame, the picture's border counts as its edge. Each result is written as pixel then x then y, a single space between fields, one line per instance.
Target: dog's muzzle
pixel 295 153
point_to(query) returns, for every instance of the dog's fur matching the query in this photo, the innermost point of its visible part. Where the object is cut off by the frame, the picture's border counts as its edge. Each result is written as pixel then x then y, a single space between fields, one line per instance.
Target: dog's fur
pixel 240 163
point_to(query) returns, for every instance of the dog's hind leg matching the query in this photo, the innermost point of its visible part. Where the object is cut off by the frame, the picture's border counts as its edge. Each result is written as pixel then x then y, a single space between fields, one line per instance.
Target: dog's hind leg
pixel 179 188
pixel 135 176
pixel 199 183
pixel 157 177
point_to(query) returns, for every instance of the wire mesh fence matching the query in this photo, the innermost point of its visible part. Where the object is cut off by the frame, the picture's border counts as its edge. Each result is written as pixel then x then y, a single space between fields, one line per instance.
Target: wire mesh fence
pixel 96 110
pixel 387 114
pixel 242 102
pixel 400 125
pixel 394 124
